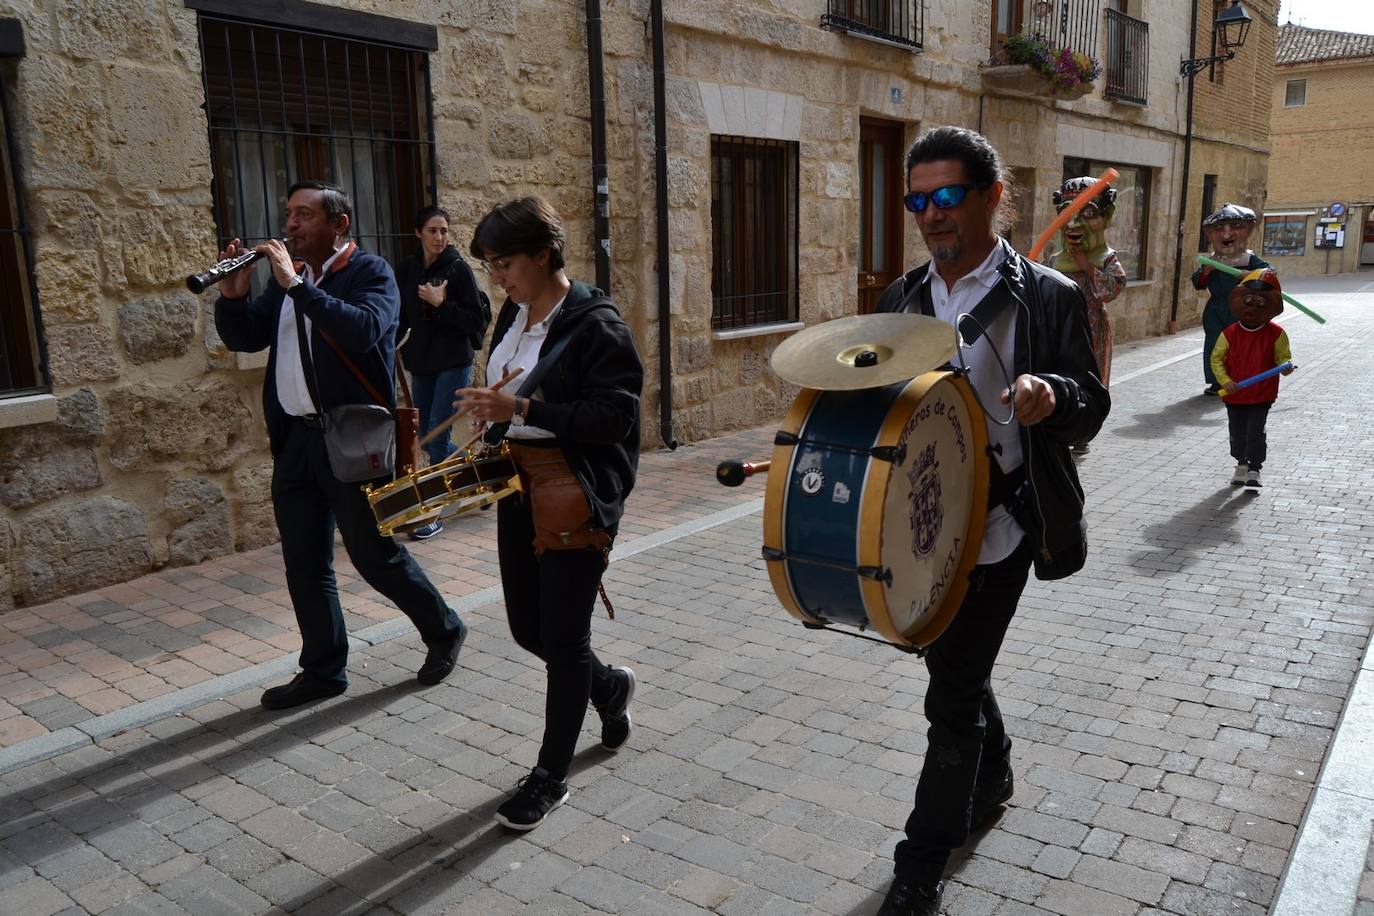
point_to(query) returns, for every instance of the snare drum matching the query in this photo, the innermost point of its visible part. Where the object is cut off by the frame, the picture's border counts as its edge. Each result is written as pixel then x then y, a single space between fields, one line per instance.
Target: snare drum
pixel 875 506
pixel 459 484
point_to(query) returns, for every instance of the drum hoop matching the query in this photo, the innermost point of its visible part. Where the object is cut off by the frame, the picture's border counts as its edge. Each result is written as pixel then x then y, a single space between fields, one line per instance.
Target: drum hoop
pixel 871 514
pixel 775 504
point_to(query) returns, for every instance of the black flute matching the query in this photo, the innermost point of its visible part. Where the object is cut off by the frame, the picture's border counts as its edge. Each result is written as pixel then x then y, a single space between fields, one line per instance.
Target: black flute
pixel 199 283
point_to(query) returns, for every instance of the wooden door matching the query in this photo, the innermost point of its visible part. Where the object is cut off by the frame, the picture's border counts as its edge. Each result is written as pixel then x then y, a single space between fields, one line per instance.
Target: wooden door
pixel 882 185
pixel 1007 18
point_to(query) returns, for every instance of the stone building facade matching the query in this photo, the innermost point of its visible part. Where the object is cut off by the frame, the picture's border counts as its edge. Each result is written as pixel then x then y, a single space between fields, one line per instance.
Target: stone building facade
pixel 141 443
pixel 1323 129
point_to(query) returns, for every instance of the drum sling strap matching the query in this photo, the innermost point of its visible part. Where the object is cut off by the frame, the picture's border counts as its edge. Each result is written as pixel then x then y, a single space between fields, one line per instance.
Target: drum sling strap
pixel 1002 486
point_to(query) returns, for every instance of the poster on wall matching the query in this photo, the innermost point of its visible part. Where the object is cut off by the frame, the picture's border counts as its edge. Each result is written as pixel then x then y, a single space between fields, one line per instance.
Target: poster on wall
pixel 1285 236
pixel 1330 233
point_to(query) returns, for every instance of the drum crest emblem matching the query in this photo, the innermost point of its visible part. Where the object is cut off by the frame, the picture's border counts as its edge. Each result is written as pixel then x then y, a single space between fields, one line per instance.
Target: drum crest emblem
pixel 927 508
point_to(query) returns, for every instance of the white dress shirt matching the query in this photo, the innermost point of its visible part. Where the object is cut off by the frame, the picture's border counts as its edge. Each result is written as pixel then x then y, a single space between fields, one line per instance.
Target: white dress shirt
pixel 519 349
pixel 989 379
pixel 292 391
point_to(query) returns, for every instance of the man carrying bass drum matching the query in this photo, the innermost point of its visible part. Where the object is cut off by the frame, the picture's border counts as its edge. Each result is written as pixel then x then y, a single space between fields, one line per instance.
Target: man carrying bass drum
pixel 573 431
pixel 1031 363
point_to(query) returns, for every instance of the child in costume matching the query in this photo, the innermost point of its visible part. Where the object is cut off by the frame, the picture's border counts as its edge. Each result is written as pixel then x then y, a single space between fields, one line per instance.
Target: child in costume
pixel 1244 349
pixel 1089 261
pixel 1228 231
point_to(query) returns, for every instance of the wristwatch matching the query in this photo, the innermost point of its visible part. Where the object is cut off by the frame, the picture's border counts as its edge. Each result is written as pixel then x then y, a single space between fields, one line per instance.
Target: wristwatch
pixel 295 281
pixel 517 417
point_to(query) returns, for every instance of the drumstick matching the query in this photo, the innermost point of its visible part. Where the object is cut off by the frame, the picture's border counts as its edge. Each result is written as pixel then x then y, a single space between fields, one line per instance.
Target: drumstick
pixel 430 436
pixel 732 473
pixel 1080 200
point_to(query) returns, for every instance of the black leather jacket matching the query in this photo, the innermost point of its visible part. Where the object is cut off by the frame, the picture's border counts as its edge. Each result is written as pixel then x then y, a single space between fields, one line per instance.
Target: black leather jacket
pixel 1052 343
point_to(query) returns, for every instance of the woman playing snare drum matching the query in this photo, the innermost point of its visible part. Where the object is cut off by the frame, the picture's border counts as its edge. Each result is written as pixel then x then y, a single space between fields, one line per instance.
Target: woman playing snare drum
pixel 575 438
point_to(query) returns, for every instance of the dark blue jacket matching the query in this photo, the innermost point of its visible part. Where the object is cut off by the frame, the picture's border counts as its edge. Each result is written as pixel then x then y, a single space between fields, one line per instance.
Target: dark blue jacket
pixel 356 303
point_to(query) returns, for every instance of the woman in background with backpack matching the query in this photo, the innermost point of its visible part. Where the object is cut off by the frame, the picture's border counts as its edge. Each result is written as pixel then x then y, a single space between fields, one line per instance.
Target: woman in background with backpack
pixel 447 317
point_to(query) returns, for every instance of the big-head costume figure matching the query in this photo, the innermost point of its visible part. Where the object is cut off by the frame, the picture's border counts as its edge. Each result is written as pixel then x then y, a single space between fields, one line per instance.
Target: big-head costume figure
pixel 1228 231
pixel 1086 257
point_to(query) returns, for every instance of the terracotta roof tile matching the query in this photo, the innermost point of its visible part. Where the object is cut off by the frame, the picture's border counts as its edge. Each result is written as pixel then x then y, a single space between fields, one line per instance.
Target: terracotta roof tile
pixel 1299 45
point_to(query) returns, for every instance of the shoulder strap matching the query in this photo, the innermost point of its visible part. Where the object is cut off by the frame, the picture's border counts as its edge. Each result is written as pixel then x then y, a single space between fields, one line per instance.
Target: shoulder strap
pixel 362 379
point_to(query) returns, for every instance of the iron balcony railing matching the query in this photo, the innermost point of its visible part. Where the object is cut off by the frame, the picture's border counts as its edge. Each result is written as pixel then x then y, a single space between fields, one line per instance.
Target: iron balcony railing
pixel 1128 58
pixel 896 22
pixel 1070 24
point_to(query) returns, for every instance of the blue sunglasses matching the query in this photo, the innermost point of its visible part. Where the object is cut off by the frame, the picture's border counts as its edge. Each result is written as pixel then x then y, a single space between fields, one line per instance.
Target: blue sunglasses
pixel 951 195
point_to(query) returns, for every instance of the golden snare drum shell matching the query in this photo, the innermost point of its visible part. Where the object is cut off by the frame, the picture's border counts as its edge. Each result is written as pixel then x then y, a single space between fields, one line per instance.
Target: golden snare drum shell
pixel 875 506
pixel 458 484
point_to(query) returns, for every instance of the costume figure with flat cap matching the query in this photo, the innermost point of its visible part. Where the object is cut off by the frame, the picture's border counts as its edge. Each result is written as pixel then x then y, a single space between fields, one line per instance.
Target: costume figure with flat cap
pixel 1228 231
pixel 1089 261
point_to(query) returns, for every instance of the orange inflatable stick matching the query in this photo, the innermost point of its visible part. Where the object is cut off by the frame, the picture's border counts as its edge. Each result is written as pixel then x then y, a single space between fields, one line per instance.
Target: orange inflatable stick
pixel 1078 203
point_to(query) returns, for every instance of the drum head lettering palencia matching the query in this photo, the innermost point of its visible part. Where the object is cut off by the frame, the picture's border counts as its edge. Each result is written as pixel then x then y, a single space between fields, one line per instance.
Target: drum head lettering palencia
pixel 927 507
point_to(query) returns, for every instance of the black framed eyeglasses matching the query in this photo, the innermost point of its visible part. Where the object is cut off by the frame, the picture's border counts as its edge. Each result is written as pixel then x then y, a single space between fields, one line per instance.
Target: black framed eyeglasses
pixel 951 195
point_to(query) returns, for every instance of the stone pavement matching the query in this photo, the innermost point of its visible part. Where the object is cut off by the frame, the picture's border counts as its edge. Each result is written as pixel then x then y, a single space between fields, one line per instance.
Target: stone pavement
pixel 1171 706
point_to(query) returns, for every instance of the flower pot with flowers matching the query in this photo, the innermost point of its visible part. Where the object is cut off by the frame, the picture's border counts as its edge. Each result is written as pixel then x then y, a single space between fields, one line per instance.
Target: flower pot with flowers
pixel 1028 65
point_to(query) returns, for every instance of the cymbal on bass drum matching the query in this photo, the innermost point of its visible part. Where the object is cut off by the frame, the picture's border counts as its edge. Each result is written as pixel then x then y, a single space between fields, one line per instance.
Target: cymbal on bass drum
pixel 864 351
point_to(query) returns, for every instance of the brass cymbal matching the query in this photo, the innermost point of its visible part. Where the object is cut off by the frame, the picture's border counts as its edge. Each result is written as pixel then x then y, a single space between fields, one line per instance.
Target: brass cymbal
pixel 864 351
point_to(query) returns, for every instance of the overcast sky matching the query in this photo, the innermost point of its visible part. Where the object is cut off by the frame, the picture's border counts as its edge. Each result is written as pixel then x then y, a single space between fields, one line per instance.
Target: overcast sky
pixel 1341 15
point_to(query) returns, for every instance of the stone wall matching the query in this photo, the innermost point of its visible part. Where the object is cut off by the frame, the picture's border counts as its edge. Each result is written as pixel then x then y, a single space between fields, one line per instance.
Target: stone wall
pixel 157 453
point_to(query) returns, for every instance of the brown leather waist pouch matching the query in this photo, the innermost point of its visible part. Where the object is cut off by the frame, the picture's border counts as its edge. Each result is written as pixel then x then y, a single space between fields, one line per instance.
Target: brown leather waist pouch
pixel 562 515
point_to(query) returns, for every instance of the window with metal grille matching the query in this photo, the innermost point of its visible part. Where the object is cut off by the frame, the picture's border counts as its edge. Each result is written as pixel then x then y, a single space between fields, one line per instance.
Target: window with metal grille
pixel 1294 93
pixel 753 231
pixel 1129 232
pixel 286 105
pixel 22 369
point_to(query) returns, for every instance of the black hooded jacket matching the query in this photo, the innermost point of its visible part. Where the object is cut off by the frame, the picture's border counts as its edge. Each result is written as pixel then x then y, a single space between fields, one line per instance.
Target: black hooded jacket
pixel 440 338
pixel 589 399
pixel 1052 343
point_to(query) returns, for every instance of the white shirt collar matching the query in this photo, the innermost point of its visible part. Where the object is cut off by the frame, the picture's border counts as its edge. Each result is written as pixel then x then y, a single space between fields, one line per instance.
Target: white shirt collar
pixel 985 274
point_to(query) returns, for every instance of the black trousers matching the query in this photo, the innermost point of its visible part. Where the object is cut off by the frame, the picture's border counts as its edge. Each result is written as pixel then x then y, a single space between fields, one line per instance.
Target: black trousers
pixel 549 603
pixel 309 502
pixel 967 745
pixel 1246 422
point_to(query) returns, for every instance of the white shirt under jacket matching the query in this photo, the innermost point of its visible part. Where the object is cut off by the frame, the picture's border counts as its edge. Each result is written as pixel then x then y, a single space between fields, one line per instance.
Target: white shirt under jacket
pixel 519 348
pixel 292 392
pixel 989 379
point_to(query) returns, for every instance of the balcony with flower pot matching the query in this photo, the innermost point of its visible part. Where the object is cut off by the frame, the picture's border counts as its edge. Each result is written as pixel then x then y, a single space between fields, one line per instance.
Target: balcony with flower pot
pixel 1030 67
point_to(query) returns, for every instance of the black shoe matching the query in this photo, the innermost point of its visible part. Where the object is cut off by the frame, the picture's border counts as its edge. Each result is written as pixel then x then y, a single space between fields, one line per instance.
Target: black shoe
pixel 535 796
pixel 441 658
pixel 615 717
pixel 1211 390
pixel 988 798
pixel 425 532
pixel 302 689
pixel 907 898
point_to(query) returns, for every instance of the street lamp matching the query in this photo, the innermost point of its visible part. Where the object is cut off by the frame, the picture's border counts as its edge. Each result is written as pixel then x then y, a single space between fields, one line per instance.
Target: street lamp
pixel 1230 29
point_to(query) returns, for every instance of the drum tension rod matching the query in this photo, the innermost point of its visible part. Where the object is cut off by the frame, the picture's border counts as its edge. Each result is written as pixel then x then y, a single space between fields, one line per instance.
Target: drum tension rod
pixel 876 573
pixel 892 454
pixel 918 651
pixel 785 438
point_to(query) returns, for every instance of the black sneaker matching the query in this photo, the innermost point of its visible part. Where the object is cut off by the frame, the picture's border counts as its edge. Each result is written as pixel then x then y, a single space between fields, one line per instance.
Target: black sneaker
pixel 615 717
pixel 907 898
pixel 425 532
pixel 988 798
pixel 441 658
pixel 302 689
pixel 535 796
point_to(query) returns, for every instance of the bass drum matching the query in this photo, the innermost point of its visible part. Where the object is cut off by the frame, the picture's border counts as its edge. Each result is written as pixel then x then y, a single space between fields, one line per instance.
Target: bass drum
pixel 875 506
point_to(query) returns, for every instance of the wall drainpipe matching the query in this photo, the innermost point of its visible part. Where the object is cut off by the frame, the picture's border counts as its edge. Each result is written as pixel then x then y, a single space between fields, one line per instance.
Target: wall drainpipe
pixel 601 182
pixel 665 318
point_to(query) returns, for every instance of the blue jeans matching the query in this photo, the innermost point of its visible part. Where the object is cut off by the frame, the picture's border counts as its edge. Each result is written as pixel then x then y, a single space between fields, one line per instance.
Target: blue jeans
pixel 434 398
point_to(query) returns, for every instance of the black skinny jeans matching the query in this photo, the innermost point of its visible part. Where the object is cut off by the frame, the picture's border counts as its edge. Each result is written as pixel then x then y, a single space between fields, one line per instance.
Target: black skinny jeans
pixel 967 747
pixel 1248 442
pixel 549 604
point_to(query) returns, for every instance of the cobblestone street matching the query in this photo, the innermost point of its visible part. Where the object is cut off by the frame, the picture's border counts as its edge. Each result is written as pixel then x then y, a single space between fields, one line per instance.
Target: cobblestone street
pixel 1171 707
